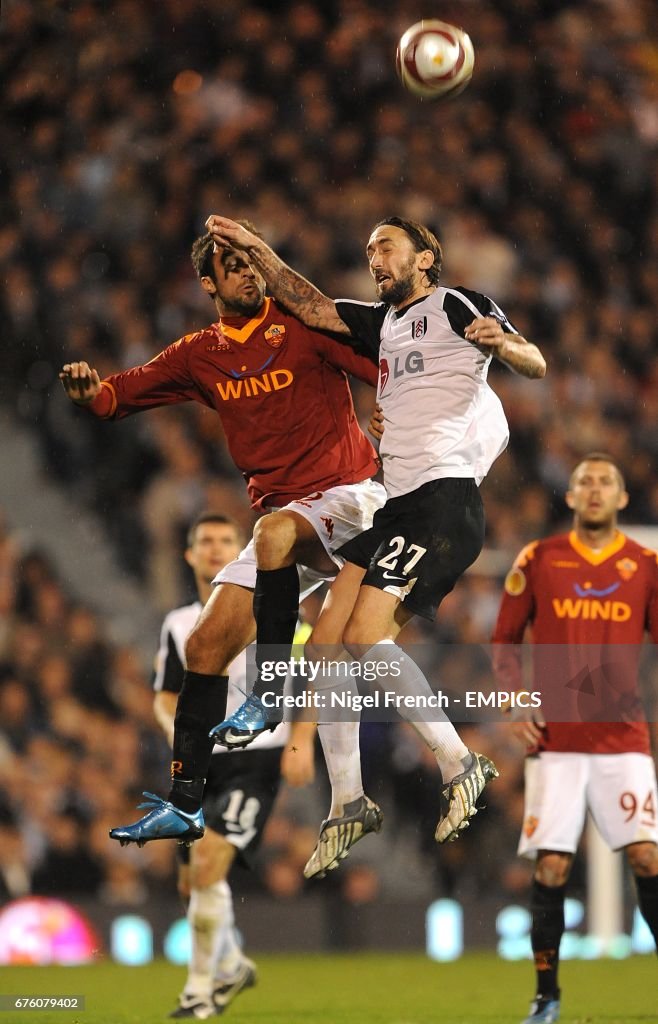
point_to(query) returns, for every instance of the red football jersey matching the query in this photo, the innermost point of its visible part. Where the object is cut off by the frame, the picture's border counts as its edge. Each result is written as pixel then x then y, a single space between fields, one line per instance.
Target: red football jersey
pixel 281 392
pixel 588 612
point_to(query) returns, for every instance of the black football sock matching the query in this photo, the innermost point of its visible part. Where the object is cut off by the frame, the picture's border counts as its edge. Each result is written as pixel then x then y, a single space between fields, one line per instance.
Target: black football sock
pixel 201 705
pixel 276 609
pixel 547 908
pixel 647 898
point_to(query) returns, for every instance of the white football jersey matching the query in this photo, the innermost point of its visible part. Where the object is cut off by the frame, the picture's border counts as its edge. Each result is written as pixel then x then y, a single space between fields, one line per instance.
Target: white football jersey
pixel 170 664
pixel 441 418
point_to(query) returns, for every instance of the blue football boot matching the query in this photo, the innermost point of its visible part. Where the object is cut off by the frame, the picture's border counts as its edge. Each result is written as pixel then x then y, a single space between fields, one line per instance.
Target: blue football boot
pixel 244 725
pixel 544 1010
pixel 164 821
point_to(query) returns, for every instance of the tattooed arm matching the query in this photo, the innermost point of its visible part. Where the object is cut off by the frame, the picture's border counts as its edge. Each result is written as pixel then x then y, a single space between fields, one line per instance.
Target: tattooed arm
pixel 520 355
pixel 297 294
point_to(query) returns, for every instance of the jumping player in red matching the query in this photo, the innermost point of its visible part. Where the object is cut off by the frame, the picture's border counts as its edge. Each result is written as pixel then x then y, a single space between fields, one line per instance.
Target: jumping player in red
pixel 588 597
pixel 281 392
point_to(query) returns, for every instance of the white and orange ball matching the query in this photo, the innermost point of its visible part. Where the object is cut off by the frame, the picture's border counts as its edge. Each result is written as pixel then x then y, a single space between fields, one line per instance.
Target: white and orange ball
pixel 435 59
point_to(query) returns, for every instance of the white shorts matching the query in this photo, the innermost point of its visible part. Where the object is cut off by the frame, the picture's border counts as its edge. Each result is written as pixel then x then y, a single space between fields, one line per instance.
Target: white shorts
pixel 618 789
pixel 336 515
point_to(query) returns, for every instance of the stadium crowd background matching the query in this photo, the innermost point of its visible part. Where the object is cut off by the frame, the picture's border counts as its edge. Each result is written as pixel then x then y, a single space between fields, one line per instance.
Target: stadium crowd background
pixel 125 124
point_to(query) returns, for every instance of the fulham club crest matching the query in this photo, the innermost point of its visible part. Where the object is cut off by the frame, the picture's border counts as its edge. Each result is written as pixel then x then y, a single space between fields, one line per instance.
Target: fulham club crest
pixel 418 328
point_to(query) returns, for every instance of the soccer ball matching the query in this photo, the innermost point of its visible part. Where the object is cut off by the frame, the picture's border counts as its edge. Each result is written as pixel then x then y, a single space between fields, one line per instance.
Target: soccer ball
pixel 435 59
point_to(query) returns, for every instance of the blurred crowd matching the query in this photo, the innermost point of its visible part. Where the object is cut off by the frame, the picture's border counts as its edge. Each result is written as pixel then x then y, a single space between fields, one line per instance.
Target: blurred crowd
pixel 125 124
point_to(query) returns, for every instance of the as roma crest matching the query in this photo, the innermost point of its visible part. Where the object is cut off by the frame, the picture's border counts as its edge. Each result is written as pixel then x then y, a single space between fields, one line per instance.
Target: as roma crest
pixel 626 568
pixel 274 335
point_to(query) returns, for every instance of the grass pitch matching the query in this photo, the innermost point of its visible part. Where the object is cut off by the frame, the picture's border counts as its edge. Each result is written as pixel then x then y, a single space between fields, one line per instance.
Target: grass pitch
pixel 350 989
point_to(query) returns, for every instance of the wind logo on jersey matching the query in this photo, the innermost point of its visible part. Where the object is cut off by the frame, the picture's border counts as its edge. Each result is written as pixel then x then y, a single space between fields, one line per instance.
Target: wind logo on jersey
pixel 255 384
pixel 418 328
pixel 274 335
pixel 591 608
pixel 626 568
pixel 515 582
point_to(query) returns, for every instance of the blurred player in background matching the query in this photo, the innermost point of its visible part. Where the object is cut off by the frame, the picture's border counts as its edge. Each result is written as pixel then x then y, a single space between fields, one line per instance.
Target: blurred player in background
pixel 238 797
pixel 444 427
pixel 282 395
pixel 595 587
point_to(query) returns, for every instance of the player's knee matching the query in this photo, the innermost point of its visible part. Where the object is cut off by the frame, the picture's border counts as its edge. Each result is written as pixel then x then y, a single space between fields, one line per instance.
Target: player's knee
pixel 553 869
pixel 275 537
pixel 643 859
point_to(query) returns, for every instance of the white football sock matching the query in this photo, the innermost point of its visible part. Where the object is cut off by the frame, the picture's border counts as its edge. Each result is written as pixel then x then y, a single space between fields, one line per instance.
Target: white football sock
pixel 431 724
pixel 229 955
pixel 210 914
pixel 342 754
pixel 340 739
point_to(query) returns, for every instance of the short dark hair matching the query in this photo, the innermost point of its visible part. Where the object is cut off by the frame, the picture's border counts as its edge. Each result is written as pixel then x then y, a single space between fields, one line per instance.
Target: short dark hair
pixel 421 238
pixel 202 251
pixel 201 256
pixel 211 517
pixel 600 457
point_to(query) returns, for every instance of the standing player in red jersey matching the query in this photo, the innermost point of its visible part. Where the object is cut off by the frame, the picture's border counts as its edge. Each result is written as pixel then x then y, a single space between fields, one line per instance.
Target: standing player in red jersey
pixel 281 392
pixel 588 597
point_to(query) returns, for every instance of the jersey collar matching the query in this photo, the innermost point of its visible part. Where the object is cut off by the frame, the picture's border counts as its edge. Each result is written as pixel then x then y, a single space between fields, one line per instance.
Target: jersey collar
pixel 242 334
pixel 398 313
pixel 597 557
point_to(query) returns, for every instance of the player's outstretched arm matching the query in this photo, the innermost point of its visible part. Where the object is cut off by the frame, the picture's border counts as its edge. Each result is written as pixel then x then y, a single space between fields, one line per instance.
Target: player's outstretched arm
pixel 301 297
pixel 520 355
pixel 81 383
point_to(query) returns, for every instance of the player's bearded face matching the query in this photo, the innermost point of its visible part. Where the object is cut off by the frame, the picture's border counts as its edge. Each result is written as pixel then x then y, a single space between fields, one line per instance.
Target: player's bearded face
pixel 397 284
pixel 239 286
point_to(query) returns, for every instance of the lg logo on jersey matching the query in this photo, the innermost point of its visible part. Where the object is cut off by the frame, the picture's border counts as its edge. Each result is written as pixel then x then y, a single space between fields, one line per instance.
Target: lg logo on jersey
pixel 411 363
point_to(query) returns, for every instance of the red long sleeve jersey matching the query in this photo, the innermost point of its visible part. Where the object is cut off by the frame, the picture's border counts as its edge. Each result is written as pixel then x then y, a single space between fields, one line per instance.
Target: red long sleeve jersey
pixel 281 392
pixel 588 611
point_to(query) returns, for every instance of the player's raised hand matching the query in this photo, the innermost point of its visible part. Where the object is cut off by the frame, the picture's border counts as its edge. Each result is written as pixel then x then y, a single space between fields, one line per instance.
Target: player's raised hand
pixel 80 382
pixel 376 425
pixel 485 331
pixel 228 234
